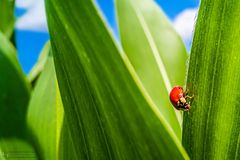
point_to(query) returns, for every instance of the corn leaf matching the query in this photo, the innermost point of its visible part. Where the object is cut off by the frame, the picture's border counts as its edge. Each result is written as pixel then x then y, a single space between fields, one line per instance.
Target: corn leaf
pixel 16 149
pixel 66 144
pixel 38 67
pixel 108 112
pixel 45 112
pixel 212 128
pixel 13 84
pixel 2 156
pixel 7 18
pixel 155 50
pixel 14 96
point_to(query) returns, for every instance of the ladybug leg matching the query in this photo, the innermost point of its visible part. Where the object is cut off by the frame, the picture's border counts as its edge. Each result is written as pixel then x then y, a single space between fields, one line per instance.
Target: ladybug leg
pixel 190 97
pixel 185 110
pixel 187 107
pixel 186 96
pixel 186 92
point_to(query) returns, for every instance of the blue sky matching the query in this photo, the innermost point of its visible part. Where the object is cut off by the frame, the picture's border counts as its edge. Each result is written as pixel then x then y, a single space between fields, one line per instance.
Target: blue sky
pixel 31 32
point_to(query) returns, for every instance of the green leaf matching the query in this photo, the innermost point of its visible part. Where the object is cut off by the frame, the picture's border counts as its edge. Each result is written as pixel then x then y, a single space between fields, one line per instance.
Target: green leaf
pixel 7 18
pixel 38 67
pixel 2 156
pixel 212 128
pixel 14 92
pixel 16 149
pixel 66 144
pixel 14 96
pixel 45 112
pixel 109 114
pixel 155 50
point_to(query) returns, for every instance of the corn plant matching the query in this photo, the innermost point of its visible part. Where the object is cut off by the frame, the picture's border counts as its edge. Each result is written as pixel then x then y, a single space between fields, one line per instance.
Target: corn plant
pixel 92 96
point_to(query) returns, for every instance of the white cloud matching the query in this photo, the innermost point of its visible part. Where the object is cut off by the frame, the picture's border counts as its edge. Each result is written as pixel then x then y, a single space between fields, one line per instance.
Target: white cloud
pixel 24 3
pixel 184 23
pixel 35 18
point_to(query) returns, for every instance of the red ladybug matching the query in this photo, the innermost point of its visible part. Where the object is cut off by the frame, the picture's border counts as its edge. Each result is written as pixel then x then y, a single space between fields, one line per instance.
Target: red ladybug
pixel 179 98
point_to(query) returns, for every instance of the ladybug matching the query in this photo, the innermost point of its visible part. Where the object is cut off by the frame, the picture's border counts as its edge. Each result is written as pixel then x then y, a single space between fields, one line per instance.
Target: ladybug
pixel 179 98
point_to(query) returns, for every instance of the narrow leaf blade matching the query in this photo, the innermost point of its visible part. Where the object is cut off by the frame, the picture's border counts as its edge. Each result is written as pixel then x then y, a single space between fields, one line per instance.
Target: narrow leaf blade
pixel 16 149
pixel 155 50
pixel 14 96
pixel 45 113
pixel 38 67
pixel 108 113
pixel 212 128
pixel 14 92
pixel 7 18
